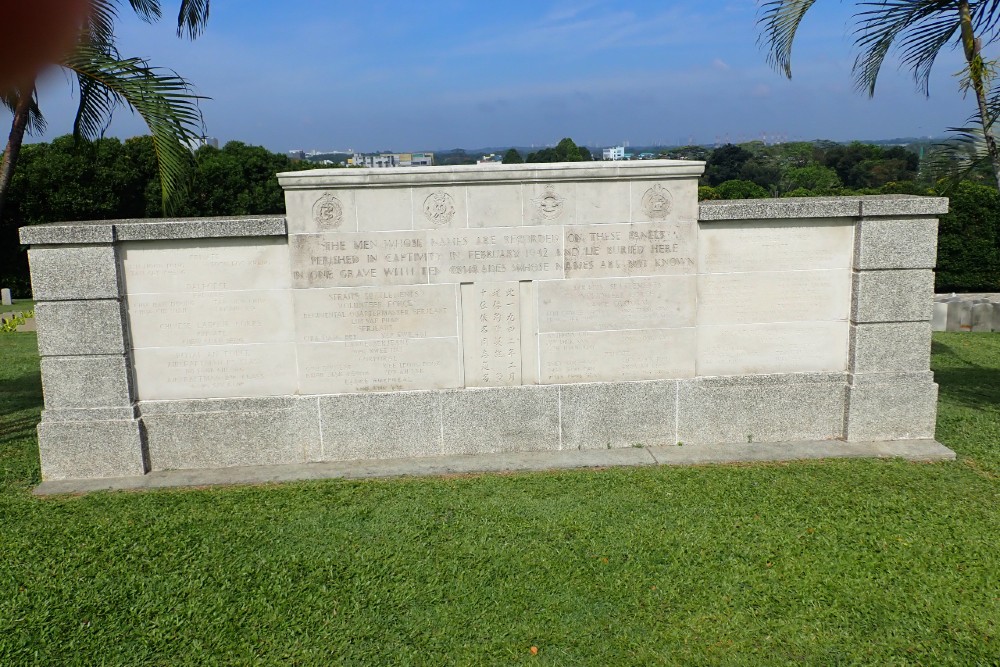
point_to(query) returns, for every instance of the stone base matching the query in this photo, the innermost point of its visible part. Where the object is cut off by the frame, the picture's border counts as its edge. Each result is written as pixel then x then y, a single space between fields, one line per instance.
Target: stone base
pixel 915 450
pixel 70 450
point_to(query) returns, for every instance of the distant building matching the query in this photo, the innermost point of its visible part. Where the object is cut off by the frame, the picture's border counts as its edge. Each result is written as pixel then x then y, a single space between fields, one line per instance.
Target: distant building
pixel 614 153
pixel 492 158
pixel 297 154
pixel 375 160
pixel 198 142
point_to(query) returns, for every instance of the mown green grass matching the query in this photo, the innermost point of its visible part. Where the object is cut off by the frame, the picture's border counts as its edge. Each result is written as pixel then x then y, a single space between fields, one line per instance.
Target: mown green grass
pixel 822 563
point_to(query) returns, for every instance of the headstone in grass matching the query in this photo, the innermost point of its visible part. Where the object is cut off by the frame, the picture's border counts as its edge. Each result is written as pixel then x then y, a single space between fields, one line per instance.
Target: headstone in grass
pixel 5 299
pixel 982 316
pixel 939 320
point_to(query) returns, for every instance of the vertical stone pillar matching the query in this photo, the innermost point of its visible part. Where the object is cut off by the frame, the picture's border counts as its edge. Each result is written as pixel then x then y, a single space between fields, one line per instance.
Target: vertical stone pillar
pixel 891 391
pixel 89 427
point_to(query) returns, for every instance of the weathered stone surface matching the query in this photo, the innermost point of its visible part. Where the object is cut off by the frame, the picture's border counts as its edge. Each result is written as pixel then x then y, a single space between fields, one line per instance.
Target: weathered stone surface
pixel 622 414
pixel 959 316
pixel 612 356
pixel 789 207
pixel 896 243
pixel 494 254
pixel 902 205
pixel 85 382
pixel 891 407
pixel 760 409
pixel 982 316
pixel 379 365
pixel 782 347
pixel 358 260
pixel 893 296
pixel 658 302
pixel 92 449
pixel 61 233
pixel 5 297
pixel 268 435
pixel 491 334
pixel 321 211
pixel 440 207
pixel 635 249
pixel 73 272
pixel 384 209
pixel 500 419
pixel 381 426
pixel 890 347
pixel 494 205
pixel 603 202
pixel 768 245
pixel 939 317
pixel 90 414
pixel 774 296
pixel 655 200
pixel 67 328
pixel 200 228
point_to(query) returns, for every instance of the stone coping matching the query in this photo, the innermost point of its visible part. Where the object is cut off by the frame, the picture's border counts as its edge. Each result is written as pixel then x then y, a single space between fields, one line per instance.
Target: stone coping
pixel 495 173
pixel 152 229
pixel 913 450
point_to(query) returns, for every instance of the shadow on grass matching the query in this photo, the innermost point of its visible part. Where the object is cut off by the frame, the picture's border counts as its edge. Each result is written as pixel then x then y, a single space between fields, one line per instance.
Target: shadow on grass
pixel 965 382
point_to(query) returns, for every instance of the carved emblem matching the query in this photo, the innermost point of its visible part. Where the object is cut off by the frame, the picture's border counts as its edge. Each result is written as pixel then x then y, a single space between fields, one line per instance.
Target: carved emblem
pixel 439 208
pixel 550 204
pixel 328 212
pixel 657 202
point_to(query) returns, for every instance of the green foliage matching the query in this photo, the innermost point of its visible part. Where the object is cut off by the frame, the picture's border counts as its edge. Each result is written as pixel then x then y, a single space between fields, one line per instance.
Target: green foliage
pixel 969 241
pixel 736 189
pixel 725 164
pixel 512 157
pixel 821 180
pixel 707 193
pixel 565 151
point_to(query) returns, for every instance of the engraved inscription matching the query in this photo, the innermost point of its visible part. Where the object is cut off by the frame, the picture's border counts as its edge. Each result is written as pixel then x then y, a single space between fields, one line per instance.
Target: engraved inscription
pixel 774 296
pixel 636 249
pixel 494 254
pixel 764 245
pixel 657 202
pixel 439 208
pixel 751 349
pixel 356 259
pixel 328 213
pixel 549 205
pixel 616 303
pixel 379 365
pixel 491 334
pixel 360 313
pixel 608 356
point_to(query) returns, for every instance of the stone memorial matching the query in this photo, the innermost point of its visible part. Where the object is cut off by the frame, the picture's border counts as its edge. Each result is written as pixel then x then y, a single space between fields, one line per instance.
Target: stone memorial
pixel 966 312
pixel 427 312
pixel 5 299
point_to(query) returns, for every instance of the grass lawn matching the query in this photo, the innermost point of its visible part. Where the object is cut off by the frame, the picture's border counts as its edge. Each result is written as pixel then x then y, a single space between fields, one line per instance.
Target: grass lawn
pixel 821 563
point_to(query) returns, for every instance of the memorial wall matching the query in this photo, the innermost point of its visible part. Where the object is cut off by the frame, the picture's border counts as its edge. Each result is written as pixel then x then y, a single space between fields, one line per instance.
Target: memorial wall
pixel 402 312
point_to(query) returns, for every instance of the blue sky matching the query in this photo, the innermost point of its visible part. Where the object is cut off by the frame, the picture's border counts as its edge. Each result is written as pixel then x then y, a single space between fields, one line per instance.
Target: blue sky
pixel 435 74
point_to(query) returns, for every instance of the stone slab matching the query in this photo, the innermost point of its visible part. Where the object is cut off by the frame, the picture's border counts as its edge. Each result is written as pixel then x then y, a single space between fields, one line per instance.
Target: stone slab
pixel 659 302
pixel 896 243
pixel 85 382
pixel 200 228
pixel 67 328
pixel 495 205
pixel 784 208
pixel 495 254
pixel 893 296
pixel 384 209
pixel 379 365
pixel 891 407
pixel 614 356
pixel 204 265
pixel 634 249
pixel 5 297
pixel 381 426
pixel 442 208
pixel 79 451
pixel 73 272
pixel 767 245
pixel 939 317
pixel 902 205
pixel 784 347
pixel 616 415
pixel 326 209
pixel 500 419
pixel 657 200
pixel 358 260
pixel 959 316
pixel 122 413
pixel 891 347
pixel 774 296
pixel 491 334
pixel 982 316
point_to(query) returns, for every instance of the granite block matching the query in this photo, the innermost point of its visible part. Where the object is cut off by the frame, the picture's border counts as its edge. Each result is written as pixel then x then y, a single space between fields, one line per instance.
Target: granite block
pixel 380 426
pixel 890 347
pixel 60 233
pixel 790 207
pixel 893 296
pixel 500 419
pixel 620 414
pixel 902 205
pixel 896 243
pixel 78 450
pixel 73 272
pixel 90 414
pixel 67 328
pixel 86 382
pixel 276 435
pixel 760 409
pixel 891 407
pixel 200 228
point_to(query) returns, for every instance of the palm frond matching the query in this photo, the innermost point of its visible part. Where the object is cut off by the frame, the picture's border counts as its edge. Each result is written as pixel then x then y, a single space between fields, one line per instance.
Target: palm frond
pixel 163 100
pixel 148 10
pixel 192 18
pixel 10 98
pixel 780 20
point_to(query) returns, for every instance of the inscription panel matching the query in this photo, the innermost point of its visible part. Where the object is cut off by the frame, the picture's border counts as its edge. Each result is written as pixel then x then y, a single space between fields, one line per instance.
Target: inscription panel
pixel 204 265
pixel 764 245
pixel 608 356
pixel 636 249
pixel 210 318
pixel 774 296
pixel 491 334
pixel 342 314
pixel 494 254
pixel 661 302
pixel 787 347
pixel 360 259
pixel 218 371
pixel 379 365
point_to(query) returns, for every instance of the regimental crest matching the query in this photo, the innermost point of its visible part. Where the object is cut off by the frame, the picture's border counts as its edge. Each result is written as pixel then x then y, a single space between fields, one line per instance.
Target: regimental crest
pixel 439 208
pixel 657 202
pixel 550 204
pixel 328 212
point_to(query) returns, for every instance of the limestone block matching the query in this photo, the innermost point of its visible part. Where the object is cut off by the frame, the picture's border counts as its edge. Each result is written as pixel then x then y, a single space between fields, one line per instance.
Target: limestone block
pixel 357 260
pixel 781 347
pixel 384 209
pixel 896 243
pixel 73 272
pixel 615 356
pixel 893 296
pixel 67 328
pixel 766 245
pixel 763 408
pixel 982 316
pixel 939 317
pixel 491 334
pixel 655 302
pixel 891 407
pixel 959 316
pixel 91 449
pixel 495 205
pixel 242 432
pixel 85 382
pixel 500 419
pixel 774 296
pixel 634 249
pixel 550 203
pixel 380 426
pixel 440 207
pixel 890 347
pixel 620 414
pixel 600 202
pixel 495 254
pixel 664 200
pixel 321 210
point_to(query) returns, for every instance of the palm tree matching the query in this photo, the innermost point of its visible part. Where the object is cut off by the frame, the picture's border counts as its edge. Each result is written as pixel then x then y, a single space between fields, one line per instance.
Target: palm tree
pixel 105 81
pixel 919 30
